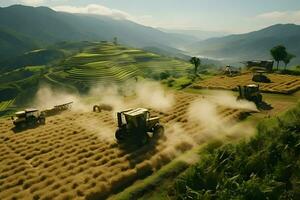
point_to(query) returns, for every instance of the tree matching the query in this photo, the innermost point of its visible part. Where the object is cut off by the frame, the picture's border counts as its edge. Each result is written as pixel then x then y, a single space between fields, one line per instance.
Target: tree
pixel 196 62
pixel 164 75
pixel 287 59
pixel 115 41
pixel 278 53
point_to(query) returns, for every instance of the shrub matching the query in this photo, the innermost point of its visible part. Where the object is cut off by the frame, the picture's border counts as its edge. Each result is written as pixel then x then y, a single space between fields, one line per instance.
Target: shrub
pixel 164 75
pixel 266 167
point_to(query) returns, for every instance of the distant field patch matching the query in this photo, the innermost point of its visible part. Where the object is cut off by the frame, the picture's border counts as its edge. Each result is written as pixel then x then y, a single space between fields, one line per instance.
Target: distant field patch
pixel 5 104
pixel 86 55
pixel 108 63
pixel 35 51
pixel 285 84
pixel 35 68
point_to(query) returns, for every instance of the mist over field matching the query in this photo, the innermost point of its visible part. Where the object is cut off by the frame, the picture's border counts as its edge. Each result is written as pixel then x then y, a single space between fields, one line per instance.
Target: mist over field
pixel 145 93
pixel 135 99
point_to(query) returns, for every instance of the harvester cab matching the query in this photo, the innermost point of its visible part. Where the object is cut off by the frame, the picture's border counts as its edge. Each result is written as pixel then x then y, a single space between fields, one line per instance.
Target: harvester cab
pixel 28 118
pixel 136 124
pixel 250 93
pixel 260 76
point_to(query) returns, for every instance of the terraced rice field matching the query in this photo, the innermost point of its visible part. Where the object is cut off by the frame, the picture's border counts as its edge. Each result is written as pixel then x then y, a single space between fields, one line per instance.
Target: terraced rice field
pixel 285 84
pixel 5 104
pixel 74 156
pixel 108 63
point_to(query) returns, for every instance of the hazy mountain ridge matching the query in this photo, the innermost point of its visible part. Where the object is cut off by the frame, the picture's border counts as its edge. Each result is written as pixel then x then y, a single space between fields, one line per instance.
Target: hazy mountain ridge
pixel 253 45
pixel 24 28
pixel 196 34
pixel 42 26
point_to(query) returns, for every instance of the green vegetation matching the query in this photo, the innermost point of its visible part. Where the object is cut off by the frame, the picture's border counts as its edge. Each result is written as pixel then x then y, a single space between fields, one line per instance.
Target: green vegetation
pixel 104 63
pixel 180 82
pixel 48 56
pixel 25 28
pixel 196 62
pixel 279 53
pixel 18 86
pixel 266 167
pixel 288 59
pixel 5 104
pixel 82 66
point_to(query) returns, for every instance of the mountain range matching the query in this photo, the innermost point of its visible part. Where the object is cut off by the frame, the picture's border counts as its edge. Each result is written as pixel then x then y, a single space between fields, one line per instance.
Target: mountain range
pixel 253 45
pixel 23 28
pixel 194 33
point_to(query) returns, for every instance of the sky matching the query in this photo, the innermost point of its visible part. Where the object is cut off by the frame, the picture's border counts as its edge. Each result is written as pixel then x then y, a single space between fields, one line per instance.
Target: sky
pixel 230 16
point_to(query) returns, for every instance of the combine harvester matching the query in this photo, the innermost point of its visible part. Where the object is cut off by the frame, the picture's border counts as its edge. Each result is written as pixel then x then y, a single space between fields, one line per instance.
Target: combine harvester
pixel 231 71
pixel 28 118
pixel 32 117
pixel 250 93
pixel 135 124
pixel 260 76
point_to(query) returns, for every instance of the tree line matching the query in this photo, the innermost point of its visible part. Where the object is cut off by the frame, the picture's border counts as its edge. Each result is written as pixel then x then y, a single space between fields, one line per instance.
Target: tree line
pixel 279 53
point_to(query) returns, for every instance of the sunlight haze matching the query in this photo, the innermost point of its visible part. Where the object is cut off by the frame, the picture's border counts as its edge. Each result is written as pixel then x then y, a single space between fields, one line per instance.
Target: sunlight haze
pixel 230 16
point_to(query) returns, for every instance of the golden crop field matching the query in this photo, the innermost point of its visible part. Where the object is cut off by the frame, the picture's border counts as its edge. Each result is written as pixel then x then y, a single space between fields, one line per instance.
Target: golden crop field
pixel 75 156
pixel 285 84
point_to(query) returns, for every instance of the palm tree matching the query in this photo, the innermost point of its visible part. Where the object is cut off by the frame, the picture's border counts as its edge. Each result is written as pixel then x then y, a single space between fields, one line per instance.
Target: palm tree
pixel 196 62
pixel 278 53
pixel 288 59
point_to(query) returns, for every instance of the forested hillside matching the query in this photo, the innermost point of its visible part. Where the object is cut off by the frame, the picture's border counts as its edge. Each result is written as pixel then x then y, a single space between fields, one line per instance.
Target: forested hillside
pixel 23 28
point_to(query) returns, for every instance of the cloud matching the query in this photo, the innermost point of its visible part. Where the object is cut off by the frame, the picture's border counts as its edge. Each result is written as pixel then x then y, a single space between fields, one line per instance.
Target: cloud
pixel 32 2
pixel 95 9
pixel 280 17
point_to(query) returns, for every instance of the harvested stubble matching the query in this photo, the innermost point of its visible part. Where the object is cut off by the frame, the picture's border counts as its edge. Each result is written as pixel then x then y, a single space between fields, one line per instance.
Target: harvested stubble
pixel 71 158
pixel 285 84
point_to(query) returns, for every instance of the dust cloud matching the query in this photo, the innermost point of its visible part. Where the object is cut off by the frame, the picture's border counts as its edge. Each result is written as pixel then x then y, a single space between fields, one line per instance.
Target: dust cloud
pixel 109 96
pixel 177 139
pixel 226 99
pixel 149 94
pixel 153 95
pixel 146 94
pixel 206 113
pixel 47 97
pixel 98 128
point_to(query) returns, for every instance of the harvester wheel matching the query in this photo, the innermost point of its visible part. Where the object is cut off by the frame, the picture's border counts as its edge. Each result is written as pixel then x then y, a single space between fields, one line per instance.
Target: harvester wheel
pixel 119 135
pixel 96 108
pixel 31 121
pixel 21 125
pixel 42 121
pixel 145 139
pixel 259 98
pixel 158 130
